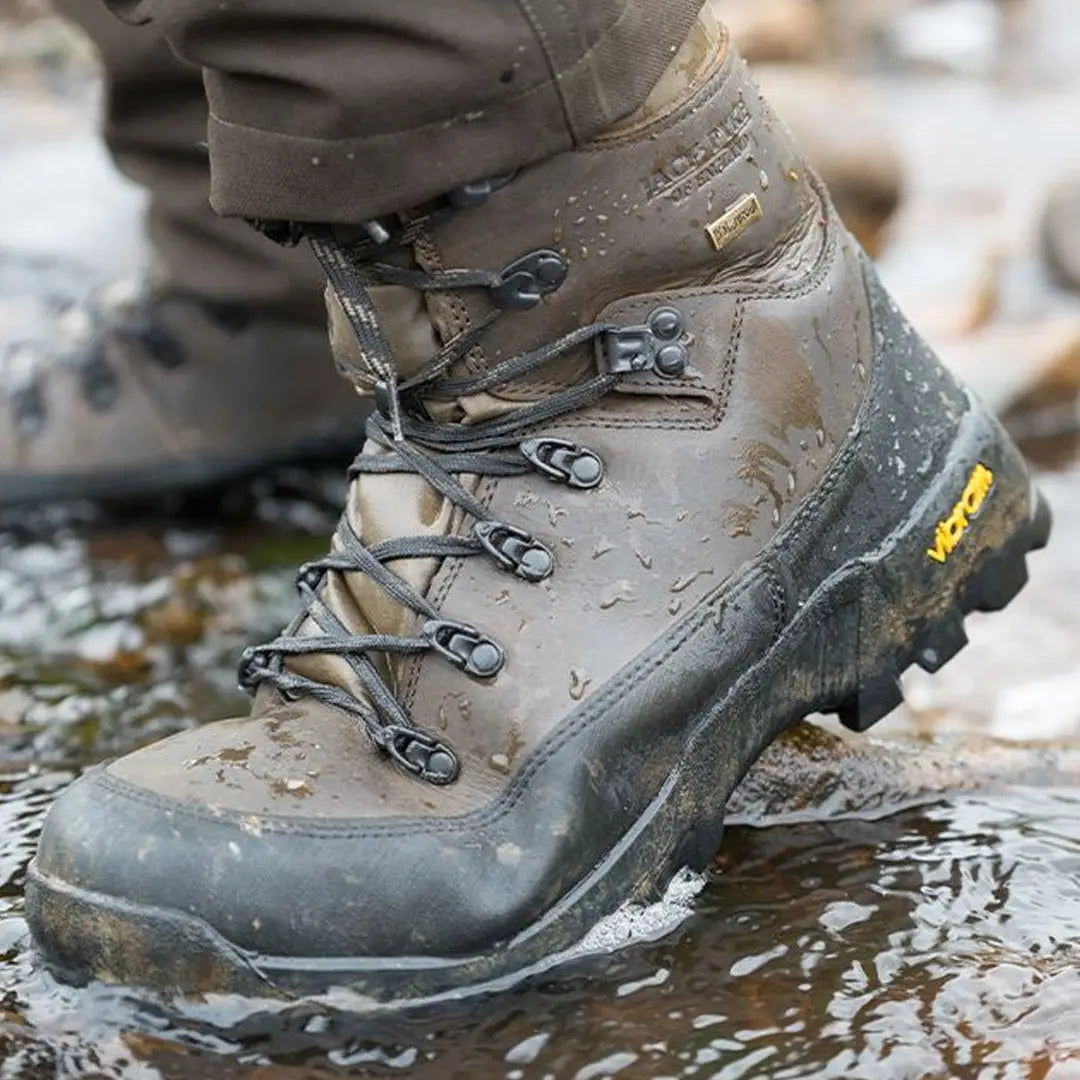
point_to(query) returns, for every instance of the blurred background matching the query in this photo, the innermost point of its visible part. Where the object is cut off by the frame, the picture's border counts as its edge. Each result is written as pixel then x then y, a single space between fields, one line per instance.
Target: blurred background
pixel 942 943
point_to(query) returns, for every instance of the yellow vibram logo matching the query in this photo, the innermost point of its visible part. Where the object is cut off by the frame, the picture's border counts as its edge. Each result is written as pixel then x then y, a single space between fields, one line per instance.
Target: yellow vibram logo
pixel 951 531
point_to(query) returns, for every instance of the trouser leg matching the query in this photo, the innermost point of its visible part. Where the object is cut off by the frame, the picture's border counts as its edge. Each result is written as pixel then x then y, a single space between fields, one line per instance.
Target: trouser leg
pixel 155 127
pixel 332 112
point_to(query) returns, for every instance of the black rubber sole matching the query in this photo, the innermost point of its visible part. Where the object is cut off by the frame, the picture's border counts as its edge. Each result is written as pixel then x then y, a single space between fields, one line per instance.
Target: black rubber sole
pixel 842 650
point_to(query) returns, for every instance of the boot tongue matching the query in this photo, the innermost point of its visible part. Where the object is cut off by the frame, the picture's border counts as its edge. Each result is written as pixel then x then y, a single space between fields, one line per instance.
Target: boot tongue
pixel 383 507
pixel 404 322
pixel 378 507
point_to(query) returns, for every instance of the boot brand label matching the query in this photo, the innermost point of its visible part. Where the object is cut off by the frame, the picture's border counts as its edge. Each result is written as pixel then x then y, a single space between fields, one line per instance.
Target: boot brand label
pixel 951 531
pixel 688 172
pixel 735 220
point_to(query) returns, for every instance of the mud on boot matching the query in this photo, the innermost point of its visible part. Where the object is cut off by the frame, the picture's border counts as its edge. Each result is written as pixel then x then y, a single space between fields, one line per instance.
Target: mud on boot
pixel 658 468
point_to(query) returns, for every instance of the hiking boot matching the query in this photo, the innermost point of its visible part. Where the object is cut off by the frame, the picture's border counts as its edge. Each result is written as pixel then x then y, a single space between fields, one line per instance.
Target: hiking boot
pixel 143 396
pixel 671 473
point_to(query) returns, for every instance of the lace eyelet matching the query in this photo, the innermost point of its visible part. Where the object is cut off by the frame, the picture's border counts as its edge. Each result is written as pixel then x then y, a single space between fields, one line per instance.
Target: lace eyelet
pixel 658 346
pixel 565 462
pixel 310 575
pixel 478 192
pixel 420 754
pixel 515 550
pixel 465 647
pixel 526 281
pixel 245 671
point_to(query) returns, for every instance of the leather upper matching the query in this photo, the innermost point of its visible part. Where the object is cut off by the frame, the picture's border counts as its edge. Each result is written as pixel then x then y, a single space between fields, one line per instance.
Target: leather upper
pixel 700 471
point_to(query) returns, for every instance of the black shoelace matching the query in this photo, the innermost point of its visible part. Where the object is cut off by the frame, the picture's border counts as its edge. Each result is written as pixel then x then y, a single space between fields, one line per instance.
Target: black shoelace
pixel 509 445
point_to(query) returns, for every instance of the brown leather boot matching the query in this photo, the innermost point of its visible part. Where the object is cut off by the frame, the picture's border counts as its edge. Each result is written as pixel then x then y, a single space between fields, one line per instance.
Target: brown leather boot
pixel 668 475
pixel 147 396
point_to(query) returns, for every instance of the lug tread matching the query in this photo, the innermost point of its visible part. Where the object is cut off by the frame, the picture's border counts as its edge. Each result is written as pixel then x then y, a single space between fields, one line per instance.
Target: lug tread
pixel 997 583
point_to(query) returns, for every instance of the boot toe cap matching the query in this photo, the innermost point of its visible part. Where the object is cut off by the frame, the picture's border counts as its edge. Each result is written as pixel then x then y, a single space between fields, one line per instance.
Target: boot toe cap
pixel 142 887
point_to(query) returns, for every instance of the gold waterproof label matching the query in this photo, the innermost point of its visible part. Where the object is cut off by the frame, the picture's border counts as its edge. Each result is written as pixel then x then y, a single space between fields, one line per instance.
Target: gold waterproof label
pixel 951 531
pixel 734 221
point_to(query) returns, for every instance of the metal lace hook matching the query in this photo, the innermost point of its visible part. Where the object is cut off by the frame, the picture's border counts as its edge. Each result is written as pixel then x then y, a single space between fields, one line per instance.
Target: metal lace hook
pixel 377 232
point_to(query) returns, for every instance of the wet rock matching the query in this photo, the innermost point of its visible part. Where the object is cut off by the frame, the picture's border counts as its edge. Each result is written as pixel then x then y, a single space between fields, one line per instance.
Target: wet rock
pixel 768 31
pixel 122 636
pixel 1008 359
pixel 1045 416
pixel 1060 230
pixel 811 774
pixel 846 138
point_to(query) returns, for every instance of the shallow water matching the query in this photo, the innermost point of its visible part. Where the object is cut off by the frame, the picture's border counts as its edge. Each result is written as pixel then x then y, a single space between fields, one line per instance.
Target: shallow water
pixel 908 910
pixel 934 943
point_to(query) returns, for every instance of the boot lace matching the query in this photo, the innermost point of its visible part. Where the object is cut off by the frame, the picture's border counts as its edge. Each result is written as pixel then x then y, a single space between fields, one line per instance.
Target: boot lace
pixel 412 443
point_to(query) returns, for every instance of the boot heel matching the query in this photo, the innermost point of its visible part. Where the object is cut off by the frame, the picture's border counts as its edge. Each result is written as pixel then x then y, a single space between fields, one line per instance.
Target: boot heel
pixel 964 549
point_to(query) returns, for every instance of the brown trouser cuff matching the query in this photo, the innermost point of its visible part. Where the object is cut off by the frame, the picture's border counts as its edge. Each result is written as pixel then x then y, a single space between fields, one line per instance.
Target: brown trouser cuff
pixel 276 176
pixel 383 118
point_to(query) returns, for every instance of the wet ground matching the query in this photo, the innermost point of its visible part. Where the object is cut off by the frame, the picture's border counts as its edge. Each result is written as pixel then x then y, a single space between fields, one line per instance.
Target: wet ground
pixel 907 906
